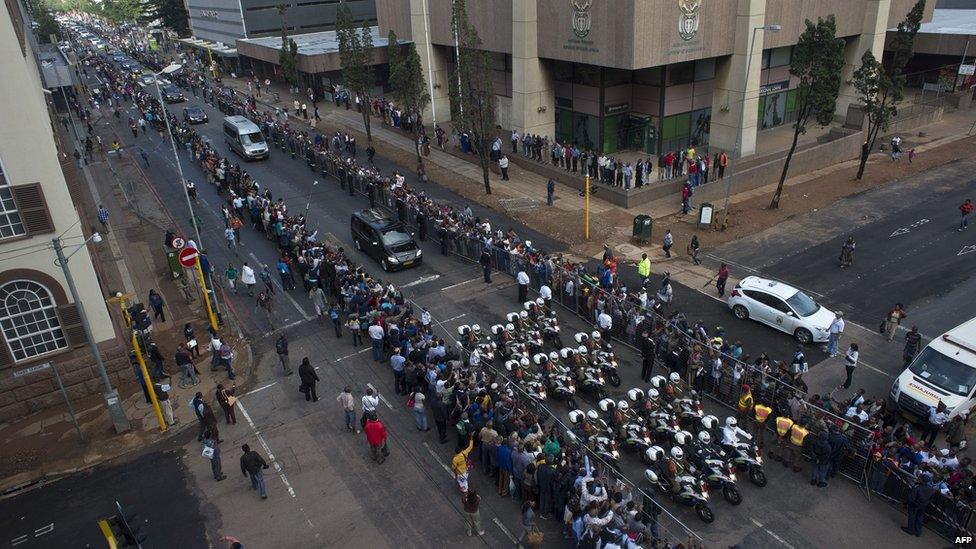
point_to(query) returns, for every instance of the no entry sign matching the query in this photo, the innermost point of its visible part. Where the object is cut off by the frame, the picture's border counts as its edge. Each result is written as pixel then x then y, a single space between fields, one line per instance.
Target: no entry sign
pixel 188 257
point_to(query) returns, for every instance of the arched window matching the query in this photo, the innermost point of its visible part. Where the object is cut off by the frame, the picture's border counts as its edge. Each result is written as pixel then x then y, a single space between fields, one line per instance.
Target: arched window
pixel 29 320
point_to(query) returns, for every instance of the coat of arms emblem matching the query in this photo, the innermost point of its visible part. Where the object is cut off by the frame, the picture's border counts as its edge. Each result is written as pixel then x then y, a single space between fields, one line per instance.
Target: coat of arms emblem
pixel 581 17
pixel 689 19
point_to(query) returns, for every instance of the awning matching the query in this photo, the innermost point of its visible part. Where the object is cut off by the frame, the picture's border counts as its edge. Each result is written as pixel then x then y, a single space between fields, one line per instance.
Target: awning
pixel 216 48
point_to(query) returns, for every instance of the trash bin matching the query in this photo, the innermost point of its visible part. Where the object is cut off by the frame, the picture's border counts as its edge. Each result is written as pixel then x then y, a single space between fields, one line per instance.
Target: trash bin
pixel 642 228
pixel 706 214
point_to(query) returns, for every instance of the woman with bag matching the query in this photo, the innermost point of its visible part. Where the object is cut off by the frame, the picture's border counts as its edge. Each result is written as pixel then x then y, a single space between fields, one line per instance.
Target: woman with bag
pixel 530 533
pixel 227 400
pixel 419 412
pixel 892 320
pixel 191 340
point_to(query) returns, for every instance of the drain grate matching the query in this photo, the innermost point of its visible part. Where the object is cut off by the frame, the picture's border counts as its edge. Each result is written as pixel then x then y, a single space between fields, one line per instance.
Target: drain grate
pixel 522 204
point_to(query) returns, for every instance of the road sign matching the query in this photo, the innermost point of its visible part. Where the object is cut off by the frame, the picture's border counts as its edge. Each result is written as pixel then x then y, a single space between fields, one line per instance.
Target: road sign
pixel 188 257
pixel 32 369
pixel 178 243
pixel 967 70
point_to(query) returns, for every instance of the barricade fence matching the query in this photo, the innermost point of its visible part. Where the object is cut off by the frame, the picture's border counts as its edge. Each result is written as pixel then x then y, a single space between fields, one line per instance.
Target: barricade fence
pixel 945 515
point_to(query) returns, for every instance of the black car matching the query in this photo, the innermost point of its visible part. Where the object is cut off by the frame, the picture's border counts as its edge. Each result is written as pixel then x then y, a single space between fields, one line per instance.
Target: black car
pixel 194 115
pixel 384 239
pixel 172 94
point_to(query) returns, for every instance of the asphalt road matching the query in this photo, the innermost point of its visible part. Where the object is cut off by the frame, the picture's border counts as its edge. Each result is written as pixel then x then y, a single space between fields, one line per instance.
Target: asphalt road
pixel 65 513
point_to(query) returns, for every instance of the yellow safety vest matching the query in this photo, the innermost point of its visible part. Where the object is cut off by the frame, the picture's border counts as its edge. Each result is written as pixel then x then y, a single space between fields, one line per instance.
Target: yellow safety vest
pixel 783 425
pixel 745 402
pixel 644 267
pixel 762 412
pixel 797 434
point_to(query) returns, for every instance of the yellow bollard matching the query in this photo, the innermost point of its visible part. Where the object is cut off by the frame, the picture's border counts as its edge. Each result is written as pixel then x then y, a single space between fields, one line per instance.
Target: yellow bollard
pixel 149 384
pixel 206 295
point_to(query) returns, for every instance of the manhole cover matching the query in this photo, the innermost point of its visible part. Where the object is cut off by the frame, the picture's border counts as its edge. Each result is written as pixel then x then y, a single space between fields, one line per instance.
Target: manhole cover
pixel 519 204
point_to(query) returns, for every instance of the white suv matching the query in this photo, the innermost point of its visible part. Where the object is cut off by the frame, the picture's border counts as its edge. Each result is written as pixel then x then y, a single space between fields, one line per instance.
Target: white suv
pixel 781 306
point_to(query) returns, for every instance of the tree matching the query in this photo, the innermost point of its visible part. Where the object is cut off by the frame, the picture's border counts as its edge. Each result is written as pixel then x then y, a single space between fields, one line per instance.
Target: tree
pixel 407 82
pixel 43 15
pixel 880 88
pixel 818 61
pixel 288 53
pixel 473 109
pixel 356 59
pixel 171 13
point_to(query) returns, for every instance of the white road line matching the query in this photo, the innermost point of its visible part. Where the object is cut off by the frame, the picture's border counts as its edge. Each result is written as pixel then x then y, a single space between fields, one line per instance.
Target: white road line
pixel 461 283
pixel 504 530
pixel 18 540
pixel 261 388
pixel 454 317
pixel 305 315
pixel 872 368
pixel 421 280
pixel 383 398
pixel 267 449
pixel 772 534
pixel 44 530
pixel 359 352
pixel 285 327
pixel 438 459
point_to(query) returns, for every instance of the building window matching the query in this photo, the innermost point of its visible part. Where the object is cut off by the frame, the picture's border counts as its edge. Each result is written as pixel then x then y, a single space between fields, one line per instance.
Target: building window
pixel 681 73
pixel 777 57
pixel 704 69
pixel 10 222
pixel 29 320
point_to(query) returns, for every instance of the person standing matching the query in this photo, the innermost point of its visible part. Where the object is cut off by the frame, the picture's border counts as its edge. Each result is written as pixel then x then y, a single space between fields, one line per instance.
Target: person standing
pixel 913 344
pixel 470 502
pixel 348 409
pixel 505 465
pixel 103 217
pixel 439 411
pixel 893 320
pixel 965 211
pixel 209 441
pixel 820 452
pixel 644 269
pixel 248 279
pixel 667 243
pixel 187 370
pixel 281 348
pixel 253 466
pixel 723 161
pixel 376 437
pixel 523 286
pixel 227 400
pixel 208 419
pixel 847 252
pixel 918 501
pixel 528 521
pixel 550 192
pixel 485 262
pixel 721 278
pixel 937 418
pixel 546 482
pixel 157 303
pixel 377 335
pixel 850 363
pixel 231 276
pixel 835 330
pixel 309 378
pixel 694 249
pixel 503 166
pixel 419 410
pixel 335 315
pixel 648 351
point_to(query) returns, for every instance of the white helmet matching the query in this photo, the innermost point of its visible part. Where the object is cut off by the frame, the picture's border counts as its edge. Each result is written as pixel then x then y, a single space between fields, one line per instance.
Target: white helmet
pixel 511 317
pixel 675 377
pixel 553 356
pixel 623 406
pixel 709 422
pixel 581 349
pixel 654 453
pixel 567 352
pixel 657 382
pixel 653 394
pixel 682 437
pixel 677 452
pixel 540 302
pixel 580 337
pixel 524 315
pixel 576 416
pixel 704 437
pixel 592 414
pixel 511 365
pixel 510 327
pixel 731 422
pixel 539 358
pixel 524 361
pixel 635 395
pixel 476 328
pixel 464 329
pixel 607 404
pixel 595 335
pixel 650 475
pixel 497 329
pixel 528 305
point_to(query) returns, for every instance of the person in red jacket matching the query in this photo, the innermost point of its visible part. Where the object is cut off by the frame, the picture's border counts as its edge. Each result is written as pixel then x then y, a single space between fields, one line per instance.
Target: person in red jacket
pixel 376 437
pixel 966 209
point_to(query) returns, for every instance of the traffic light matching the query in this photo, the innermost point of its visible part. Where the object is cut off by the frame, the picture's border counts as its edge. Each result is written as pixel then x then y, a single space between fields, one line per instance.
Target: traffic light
pixel 123 529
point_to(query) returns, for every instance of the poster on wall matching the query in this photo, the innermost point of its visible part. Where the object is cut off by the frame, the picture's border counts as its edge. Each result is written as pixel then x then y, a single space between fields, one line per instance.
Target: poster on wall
pixel 774 110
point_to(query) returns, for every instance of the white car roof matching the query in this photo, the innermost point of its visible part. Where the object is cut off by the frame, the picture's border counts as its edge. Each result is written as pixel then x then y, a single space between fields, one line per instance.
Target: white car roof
pixel 778 289
pixel 958 341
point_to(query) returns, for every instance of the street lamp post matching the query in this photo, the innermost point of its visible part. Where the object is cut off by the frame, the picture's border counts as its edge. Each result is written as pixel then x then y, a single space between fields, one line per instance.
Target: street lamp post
pixel 179 166
pixel 112 400
pixel 774 27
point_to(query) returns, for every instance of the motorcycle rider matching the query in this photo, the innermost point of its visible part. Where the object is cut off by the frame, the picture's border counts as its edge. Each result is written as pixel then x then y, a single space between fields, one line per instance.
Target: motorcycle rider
pixel 676 467
pixel 731 433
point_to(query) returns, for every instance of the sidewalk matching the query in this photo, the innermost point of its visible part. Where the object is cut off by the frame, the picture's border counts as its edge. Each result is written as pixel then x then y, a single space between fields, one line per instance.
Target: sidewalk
pixel 129 260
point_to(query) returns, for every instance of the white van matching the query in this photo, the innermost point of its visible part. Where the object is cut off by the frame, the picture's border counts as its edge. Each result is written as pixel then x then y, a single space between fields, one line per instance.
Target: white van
pixel 944 371
pixel 245 138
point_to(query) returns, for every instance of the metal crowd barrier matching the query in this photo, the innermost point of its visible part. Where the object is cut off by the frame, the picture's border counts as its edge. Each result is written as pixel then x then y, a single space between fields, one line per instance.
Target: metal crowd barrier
pixel 946 516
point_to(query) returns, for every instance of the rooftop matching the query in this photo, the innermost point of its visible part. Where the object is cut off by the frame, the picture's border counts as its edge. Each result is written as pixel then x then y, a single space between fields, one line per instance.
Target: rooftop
pixel 314 43
pixel 949 21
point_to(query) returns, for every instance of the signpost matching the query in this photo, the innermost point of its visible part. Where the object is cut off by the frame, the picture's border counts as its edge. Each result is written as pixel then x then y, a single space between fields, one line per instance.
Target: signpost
pixel 705 213
pixel 190 258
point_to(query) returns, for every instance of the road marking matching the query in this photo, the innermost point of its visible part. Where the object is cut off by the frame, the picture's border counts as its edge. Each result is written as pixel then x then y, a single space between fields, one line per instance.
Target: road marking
pixel 261 388
pixel 966 250
pixel 869 367
pixel 44 530
pixel 421 280
pixel 771 533
pixel 359 352
pixel 906 230
pixel 454 317
pixel 438 459
pixel 305 315
pixel 504 530
pixel 461 283
pixel 267 449
pixel 285 327
pixel 383 398
pixel 18 540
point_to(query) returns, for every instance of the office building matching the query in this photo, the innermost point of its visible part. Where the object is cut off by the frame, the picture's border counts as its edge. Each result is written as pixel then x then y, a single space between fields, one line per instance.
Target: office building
pixel 224 21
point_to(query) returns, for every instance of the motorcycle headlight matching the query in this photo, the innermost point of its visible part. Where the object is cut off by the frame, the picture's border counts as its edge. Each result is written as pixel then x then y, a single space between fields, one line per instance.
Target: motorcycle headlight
pixel 542 394
pixel 419 252
pixel 615 454
pixel 732 477
pixel 759 460
pixel 571 389
pixel 556 328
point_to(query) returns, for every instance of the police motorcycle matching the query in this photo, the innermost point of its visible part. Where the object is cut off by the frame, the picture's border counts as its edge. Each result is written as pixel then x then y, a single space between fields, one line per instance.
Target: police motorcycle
pixel 471 336
pixel 529 381
pixel 689 490
pixel 743 455
pixel 629 426
pixel 588 377
pixel 595 432
pixel 600 355
pixel 558 379
pixel 711 464
pixel 525 330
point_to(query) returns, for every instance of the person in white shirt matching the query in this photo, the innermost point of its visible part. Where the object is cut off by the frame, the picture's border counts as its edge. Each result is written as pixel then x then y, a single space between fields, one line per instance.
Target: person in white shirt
pixel 503 166
pixel 545 292
pixel 370 402
pixel 248 278
pixel 850 362
pixel 425 318
pixel 605 322
pixel 523 286
pixel 377 335
pixel 937 418
pixel 836 329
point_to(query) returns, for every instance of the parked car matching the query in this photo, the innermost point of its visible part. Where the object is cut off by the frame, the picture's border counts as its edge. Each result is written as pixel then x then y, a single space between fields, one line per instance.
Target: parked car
pixel 384 239
pixel 781 306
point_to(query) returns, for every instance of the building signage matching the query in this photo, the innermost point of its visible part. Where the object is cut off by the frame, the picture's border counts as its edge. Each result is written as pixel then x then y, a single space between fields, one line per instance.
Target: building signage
pixel 689 20
pixel 32 369
pixel 212 14
pixel 773 88
pixel 581 17
pixel 967 70
pixel 616 108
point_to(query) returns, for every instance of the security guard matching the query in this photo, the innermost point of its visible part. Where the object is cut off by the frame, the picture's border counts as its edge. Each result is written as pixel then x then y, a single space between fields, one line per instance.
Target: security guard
pixel 798 435
pixel 745 402
pixel 783 426
pixel 762 414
